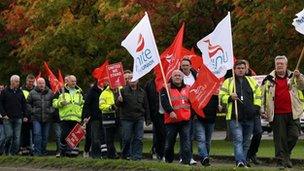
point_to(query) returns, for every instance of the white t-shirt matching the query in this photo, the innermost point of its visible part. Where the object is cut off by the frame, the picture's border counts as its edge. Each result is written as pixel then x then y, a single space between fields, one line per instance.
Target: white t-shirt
pixel 189 80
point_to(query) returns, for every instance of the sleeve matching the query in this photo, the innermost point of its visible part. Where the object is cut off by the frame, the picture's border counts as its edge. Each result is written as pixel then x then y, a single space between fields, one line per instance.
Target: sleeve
pixel 56 101
pixel 147 109
pixel 300 82
pixel 165 101
pixel 23 103
pixel 224 92
pixel 29 104
pixel 86 106
pixel 2 97
pixel 104 103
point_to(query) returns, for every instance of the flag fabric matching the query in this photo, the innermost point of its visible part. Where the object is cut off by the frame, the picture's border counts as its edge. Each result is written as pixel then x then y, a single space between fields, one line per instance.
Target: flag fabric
pixel 298 22
pixel 100 73
pixel 202 90
pixel 52 78
pixel 60 79
pixel 140 43
pixel 217 48
pixel 170 59
pixel 36 78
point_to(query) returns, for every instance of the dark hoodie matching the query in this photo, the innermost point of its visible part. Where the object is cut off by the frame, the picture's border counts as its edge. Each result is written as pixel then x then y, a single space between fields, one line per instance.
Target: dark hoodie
pixel 91 104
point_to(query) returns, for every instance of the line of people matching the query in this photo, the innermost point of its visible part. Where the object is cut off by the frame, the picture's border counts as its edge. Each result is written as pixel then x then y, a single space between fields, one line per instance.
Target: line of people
pixel 120 114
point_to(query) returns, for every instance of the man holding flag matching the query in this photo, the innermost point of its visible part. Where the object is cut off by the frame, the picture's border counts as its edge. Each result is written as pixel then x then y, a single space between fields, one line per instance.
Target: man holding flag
pixel 248 96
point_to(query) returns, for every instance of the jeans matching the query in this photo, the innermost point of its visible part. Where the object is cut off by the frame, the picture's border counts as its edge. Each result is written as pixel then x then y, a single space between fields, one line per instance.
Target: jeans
pixel 12 131
pixel 183 129
pixel 41 134
pixel 203 136
pixel 132 136
pixel 2 139
pixel 241 135
pixel 57 130
pixel 256 138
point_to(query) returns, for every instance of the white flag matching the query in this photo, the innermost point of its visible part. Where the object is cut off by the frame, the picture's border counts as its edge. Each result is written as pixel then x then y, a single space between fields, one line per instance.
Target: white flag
pixel 140 43
pixel 299 22
pixel 217 49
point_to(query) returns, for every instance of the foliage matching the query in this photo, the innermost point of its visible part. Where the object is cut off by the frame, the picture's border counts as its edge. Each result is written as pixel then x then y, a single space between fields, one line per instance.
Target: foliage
pixel 76 36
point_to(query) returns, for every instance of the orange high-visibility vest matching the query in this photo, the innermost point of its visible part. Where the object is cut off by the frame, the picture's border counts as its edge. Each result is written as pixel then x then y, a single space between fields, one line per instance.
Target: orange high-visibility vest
pixel 181 105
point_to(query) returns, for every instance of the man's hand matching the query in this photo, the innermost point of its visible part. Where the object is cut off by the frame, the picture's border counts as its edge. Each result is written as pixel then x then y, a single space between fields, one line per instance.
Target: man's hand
pixel 120 99
pixel 64 103
pixel 173 115
pixel 264 116
pixel 234 96
pixel 86 120
pixel 25 119
pixel 5 117
pixel 296 73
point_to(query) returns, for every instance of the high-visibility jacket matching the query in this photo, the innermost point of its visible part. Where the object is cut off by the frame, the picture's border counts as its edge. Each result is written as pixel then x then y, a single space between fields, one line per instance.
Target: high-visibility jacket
pixel 106 100
pixel 296 96
pixel 180 104
pixel 73 110
pixel 227 89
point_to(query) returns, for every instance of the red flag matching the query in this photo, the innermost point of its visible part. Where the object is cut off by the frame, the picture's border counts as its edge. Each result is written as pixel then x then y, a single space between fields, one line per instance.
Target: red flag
pixel 52 78
pixel 170 59
pixel 60 79
pixel 100 73
pixel 202 90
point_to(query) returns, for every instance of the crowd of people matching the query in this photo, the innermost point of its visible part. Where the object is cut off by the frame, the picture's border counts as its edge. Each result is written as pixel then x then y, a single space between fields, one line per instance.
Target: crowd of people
pixel 29 112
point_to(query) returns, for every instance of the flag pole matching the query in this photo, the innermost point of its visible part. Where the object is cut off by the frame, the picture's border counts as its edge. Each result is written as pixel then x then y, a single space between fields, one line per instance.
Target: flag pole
pixel 235 102
pixel 299 60
pixel 161 66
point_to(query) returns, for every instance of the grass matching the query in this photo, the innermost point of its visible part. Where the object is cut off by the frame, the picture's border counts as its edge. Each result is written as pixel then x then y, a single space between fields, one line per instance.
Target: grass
pixel 221 147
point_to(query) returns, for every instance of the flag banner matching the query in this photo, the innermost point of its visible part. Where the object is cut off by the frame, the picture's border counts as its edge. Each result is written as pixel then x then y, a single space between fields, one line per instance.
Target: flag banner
pixel 217 48
pixel 140 43
pixel 116 75
pixel 100 73
pixel 298 22
pixel 75 136
pixel 202 90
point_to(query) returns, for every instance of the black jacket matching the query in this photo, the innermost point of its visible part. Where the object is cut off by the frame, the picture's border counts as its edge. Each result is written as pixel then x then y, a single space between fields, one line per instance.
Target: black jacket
pixel 91 104
pixel 210 110
pixel 39 105
pixel 12 103
pixel 153 97
pixel 135 104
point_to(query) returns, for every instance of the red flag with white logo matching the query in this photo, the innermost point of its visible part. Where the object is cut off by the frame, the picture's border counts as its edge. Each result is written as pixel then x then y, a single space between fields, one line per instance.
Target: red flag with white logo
pixel 201 91
pixel 52 78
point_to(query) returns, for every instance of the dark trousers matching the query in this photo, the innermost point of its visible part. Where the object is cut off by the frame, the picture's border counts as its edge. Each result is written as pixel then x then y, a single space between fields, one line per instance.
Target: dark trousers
pixel 183 129
pixel 110 137
pixel 66 128
pixel 256 138
pixel 26 131
pixel 159 135
pixel 285 135
pixel 99 147
pixel 87 142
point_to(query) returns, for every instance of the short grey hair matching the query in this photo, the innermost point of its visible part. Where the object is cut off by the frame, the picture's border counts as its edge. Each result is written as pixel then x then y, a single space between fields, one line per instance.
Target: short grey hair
pixel 41 79
pixel 14 77
pixel 281 57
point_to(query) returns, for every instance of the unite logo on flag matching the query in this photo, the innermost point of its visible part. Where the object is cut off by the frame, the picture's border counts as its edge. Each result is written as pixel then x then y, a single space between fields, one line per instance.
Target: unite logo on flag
pixel 140 43
pixel 217 56
pixel 217 48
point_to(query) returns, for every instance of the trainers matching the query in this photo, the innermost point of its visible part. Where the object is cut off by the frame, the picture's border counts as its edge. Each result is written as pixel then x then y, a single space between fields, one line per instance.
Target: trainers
pixel 280 165
pixel 86 154
pixel 193 162
pixel 58 154
pixel 205 161
pixel 240 164
pixel 288 164
pixel 255 160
